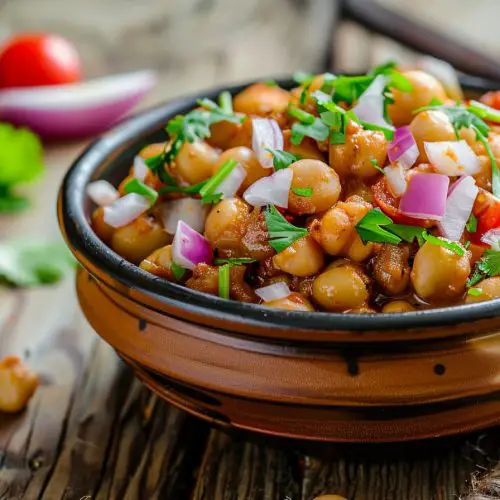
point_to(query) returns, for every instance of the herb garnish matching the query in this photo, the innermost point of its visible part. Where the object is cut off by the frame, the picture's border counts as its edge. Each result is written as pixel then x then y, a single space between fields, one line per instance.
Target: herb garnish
pixel 224 280
pixel 453 246
pixel 305 192
pixel 177 271
pixel 138 187
pixel 471 225
pixel 209 192
pixel 487 266
pixel 475 292
pixel 307 126
pixel 282 234
pixel 282 159
pixel 376 166
pixel 236 261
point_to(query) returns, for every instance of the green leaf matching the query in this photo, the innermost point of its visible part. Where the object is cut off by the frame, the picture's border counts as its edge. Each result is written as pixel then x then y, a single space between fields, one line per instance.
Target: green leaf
pixel 237 261
pixel 224 280
pixel 209 191
pixel 177 271
pixel 487 266
pixel 408 233
pixel 303 78
pixel 10 202
pixel 305 192
pixel 138 187
pixel 442 242
pixel 21 155
pixel 316 130
pixel 471 225
pixel 282 159
pixel 226 101
pixel 194 189
pixel 484 112
pixel 376 166
pixel 475 292
pixel 211 198
pixel 328 83
pixel 370 228
pixel 388 132
pixel 282 234
pixel 495 173
pixel 157 165
pixel 27 263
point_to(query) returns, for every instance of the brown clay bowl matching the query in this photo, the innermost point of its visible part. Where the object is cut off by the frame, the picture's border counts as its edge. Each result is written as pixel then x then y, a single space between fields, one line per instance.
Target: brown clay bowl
pixel 317 376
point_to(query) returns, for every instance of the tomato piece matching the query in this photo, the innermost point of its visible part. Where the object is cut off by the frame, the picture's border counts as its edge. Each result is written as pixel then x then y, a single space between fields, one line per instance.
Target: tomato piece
pixel 32 60
pixel 390 206
pixel 491 99
pixel 487 211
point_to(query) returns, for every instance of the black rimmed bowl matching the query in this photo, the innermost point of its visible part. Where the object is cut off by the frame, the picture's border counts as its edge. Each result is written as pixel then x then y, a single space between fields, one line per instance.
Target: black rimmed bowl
pixel 319 376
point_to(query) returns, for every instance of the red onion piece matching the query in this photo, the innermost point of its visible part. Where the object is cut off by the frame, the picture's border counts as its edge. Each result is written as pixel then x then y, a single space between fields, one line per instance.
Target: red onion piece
pixel 396 179
pixel 190 248
pixel 370 106
pixel 188 210
pixel 492 238
pixel 140 168
pixel 403 149
pixel 102 193
pixel 275 291
pixel 266 133
pixel 453 158
pixel 230 185
pixel 77 109
pixel 272 190
pixel 459 205
pixel 126 209
pixel 425 197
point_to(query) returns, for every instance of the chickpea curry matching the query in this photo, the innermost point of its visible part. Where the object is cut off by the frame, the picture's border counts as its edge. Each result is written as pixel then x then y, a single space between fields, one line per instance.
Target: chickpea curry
pixel 377 193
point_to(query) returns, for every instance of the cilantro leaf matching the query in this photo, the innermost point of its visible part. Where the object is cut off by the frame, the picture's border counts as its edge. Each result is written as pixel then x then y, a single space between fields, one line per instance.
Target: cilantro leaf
pixel 177 271
pixel 226 101
pixel 305 192
pixel 282 159
pixel 471 225
pixel 138 187
pixel 157 165
pixel 475 292
pixel 194 189
pixel 282 234
pixel 224 280
pixel 211 198
pixel 209 192
pixel 26 263
pixel 307 126
pixel 370 228
pixel 236 261
pixel 303 78
pixel 485 112
pixel 408 233
pixel 487 266
pixel 450 245
pixel 376 166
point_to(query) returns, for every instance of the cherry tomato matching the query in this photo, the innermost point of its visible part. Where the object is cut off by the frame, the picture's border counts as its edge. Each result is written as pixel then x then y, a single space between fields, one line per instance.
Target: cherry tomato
pixel 390 206
pixel 491 99
pixel 31 60
pixel 487 211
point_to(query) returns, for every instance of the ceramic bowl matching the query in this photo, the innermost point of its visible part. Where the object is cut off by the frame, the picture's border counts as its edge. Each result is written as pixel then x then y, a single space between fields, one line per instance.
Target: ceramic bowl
pixel 317 376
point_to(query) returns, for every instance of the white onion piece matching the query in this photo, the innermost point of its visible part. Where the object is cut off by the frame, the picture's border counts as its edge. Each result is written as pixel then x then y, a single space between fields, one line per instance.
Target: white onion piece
pixel 140 168
pixel 188 210
pixel 370 106
pixel 453 158
pixel 445 73
pixel 266 133
pixel 275 291
pixel 190 248
pixel 396 179
pixel 126 209
pixel 230 185
pixel 270 190
pixel 76 109
pixel 459 205
pixel 492 238
pixel 102 193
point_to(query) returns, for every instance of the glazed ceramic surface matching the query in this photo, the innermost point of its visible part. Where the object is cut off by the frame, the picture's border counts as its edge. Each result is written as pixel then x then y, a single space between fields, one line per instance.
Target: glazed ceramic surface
pixel 321 376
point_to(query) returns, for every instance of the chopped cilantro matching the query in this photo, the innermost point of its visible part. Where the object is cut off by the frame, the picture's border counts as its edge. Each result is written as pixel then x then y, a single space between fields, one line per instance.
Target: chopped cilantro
pixel 308 126
pixel 224 280
pixel 487 266
pixel 376 166
pixel 371 228
pixel 453 246
pixel 194 189
pixel 211 199
pixel 282 234
pixel 485 112
pixel 138 187
pixel 226 101
pixel 305 192
pixel 209 192
pixel 282 159
pixel 236 261
pixel 471 225
pixel 475 292
pixel 157 165
pixel 177 271
pixel 408 233
pixel 303 78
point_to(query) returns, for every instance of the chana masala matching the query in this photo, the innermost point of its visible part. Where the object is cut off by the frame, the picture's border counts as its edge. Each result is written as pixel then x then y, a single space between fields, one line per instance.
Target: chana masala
pixel 363 194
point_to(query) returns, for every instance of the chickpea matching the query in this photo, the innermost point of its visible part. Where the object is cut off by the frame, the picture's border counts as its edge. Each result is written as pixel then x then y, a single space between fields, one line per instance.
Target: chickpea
pixel 138 239
pixel 226 224
pixel 303 258
pixel 321 179
pixel 225 135
pixel 195 161
pixel 397 306
pixel 307 149
pixel 431 126
pixel 490 289
pixel 159 263
pixel 340 289
pixel 425 88
pixel 261 99
pixel 362 149
pixel 248 160
pixel 439 274
pixel 356 187
pixel 294 302
pixel 484 177
pixel 391 269
pixel 17 384
pixel 103 230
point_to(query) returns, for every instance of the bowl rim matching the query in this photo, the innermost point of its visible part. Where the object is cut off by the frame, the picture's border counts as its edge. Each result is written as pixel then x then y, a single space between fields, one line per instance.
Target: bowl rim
pixel 83 242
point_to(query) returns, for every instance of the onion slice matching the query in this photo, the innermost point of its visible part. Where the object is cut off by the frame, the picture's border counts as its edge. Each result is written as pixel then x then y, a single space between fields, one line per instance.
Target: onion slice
pixel 102 193
pixel 492 238
pixel 266 133
pixel 140 168
pixel 396 179
pixel 75 110
pixel 453 158
pixel 126 209
pixel 425 197
pixel 270 190
pixel 403 148
pixel 275 291
pixel 188 210
pixel 190 248
pixel 230 185
pixel 370 106
pixel 459 205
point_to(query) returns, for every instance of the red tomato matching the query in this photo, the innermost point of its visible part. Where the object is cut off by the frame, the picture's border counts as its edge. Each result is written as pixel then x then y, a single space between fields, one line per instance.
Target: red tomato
pixel 491 99
pixel 32 60
pixel 487 211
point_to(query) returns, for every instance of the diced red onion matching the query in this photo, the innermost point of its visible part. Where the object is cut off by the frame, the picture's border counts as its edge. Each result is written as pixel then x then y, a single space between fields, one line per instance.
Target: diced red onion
pixel 370 106
pixel 396 179
pixel 403 148
pixel 270 190
pixel 230 185
pixel 102 193
pixel 425 197
pixel 126 209
pixel 140 168
pixel 459 205
pixel 275 291
pixel 453 158
pixel 266 133
pixel 492 238
pixel 190 248
pixel 188 210
pixel 445 73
